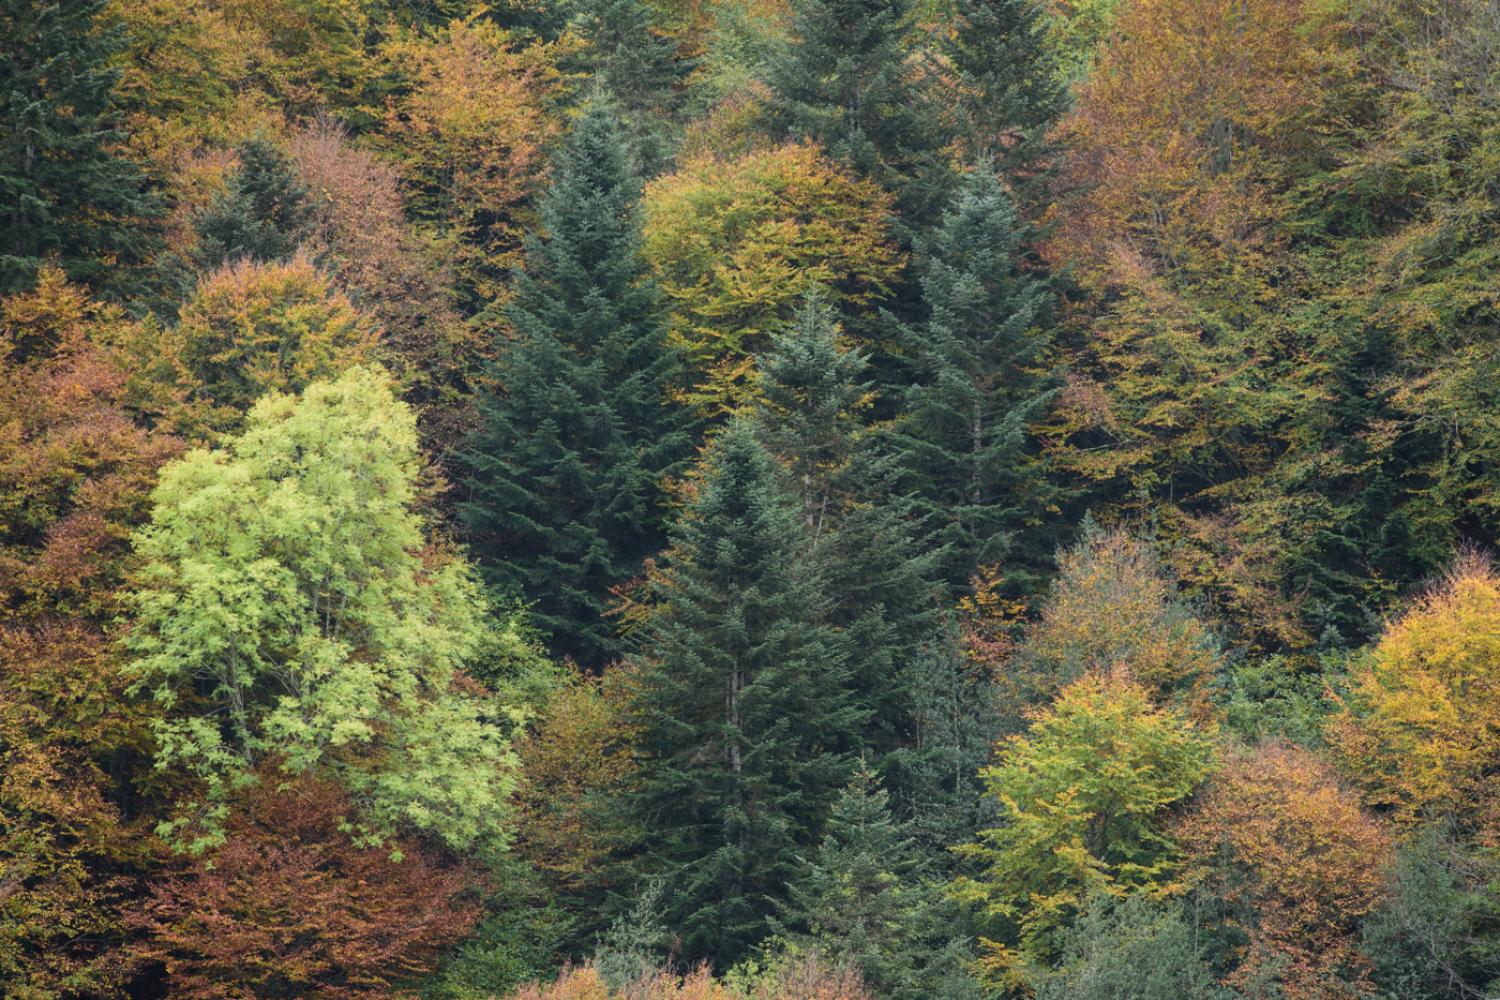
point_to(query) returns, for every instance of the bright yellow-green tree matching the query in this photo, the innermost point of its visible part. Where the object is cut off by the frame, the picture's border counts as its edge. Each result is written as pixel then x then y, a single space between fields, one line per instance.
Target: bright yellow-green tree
pixel 292 612
pixel 1083 796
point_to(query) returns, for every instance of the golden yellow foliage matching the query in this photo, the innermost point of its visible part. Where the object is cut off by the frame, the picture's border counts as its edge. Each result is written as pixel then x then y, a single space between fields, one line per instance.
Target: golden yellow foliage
pixel 1422 727
pixel 737 243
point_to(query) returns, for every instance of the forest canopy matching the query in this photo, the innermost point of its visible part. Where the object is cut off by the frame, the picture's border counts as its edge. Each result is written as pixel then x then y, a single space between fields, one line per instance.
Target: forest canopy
pixel 749 499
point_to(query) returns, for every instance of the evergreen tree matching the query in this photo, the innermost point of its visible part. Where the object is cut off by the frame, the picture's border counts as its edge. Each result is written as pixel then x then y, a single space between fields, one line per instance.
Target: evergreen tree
pixel 858 528
pixel 636 64
pixel 64 192
pixel 567 466
pixel 865 899
pixel 746 719
pixel 262 213
pixel 844 83
pixel 1007 90
pixel 963 433
pixel 956 723
pixel 1131 949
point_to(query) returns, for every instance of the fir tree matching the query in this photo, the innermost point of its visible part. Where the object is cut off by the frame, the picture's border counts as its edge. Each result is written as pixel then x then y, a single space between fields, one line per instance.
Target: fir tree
pixel 858 528
pixel 64 192
pixel 1007 89
pixel 637 66
pixel 957 721
pixel 746 719
pixel 865 898
pixel 844 83
pixel 964 430
pixel 261 214
pixel 568 464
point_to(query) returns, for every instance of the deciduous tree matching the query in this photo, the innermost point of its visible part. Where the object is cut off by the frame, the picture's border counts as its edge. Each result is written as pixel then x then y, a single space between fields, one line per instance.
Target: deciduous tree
pixel 292 611
pixel 288 907
pixel 737 243
pixel 1084 796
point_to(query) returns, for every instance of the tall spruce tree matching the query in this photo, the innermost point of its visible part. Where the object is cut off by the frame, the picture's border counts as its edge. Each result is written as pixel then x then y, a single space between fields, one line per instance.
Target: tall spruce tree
pixel 844 82
pixel 1006 88
pixel 858 527
pixel 64 192
pixel 567 467
pixel 637 65
pixel 747 723
pixel 964 430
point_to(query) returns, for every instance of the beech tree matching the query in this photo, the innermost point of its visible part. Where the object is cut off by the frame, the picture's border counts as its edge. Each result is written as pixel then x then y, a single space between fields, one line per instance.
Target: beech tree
pixel 289 907
pixel 1083 795
pixel 1281 839
pixel 738 242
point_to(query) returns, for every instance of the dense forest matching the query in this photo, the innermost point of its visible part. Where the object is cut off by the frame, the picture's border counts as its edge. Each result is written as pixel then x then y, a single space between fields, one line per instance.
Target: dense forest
pixel 750 499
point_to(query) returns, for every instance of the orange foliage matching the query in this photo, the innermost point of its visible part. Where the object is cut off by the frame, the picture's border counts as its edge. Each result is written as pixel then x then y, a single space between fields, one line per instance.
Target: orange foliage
pixel 360 236
pixel 68 857
pixel 469 136
pixel 1422 728
pixel 1304 855
pixel 1197 119
pixel 75 470
pixel 1112 608
pixel 250 328
pixel 801 978
pixel 1179 128
pixel 289 907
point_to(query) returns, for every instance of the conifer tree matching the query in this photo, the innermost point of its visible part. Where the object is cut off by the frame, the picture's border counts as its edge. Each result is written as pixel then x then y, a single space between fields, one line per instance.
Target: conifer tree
pixel 1007 89
pixel 866 899
pixel 637 66
pixel 858 527
pixel 262 212
pixel 64 192
pixel 964 431
pixel 844 83
pixel 746 719
pixel 567 467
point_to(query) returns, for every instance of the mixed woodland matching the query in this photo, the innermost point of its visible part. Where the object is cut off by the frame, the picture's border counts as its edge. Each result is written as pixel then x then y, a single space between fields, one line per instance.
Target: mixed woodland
pixel 750 499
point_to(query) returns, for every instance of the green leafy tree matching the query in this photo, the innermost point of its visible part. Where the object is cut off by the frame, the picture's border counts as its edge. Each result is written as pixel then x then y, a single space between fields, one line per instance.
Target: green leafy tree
pixel 746 718
pixel 287 614
pixel 844 82
pixel 262 212
pixel 567 468
pixel 64 190
pixel 964 435
pixel 1082 795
